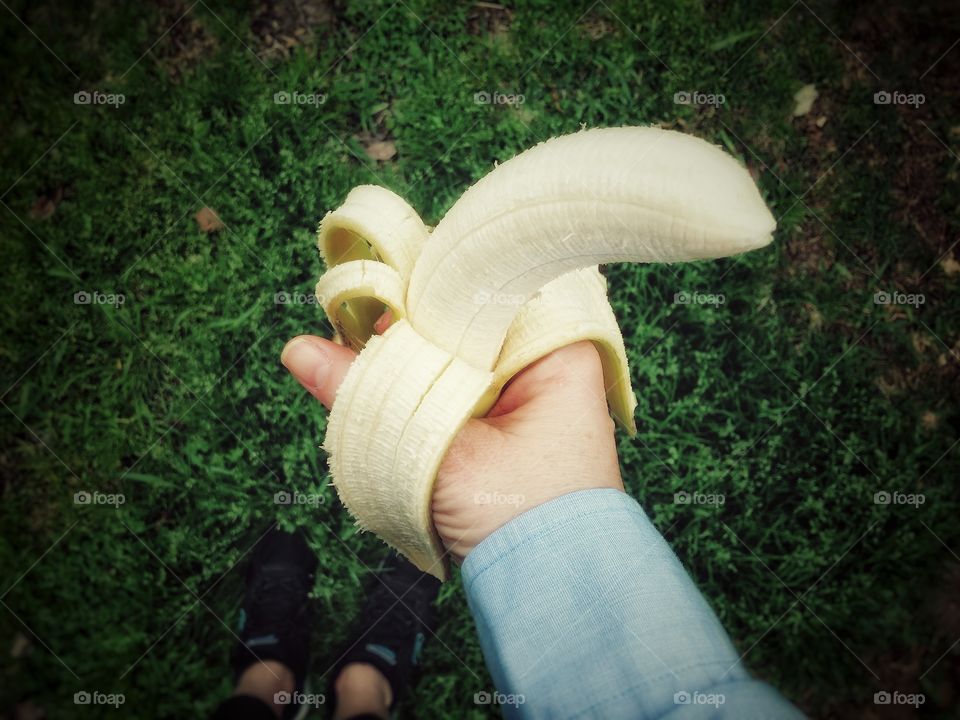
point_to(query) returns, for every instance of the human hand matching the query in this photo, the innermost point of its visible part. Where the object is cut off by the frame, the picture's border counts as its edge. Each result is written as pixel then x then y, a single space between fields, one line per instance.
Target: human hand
pixel 549 434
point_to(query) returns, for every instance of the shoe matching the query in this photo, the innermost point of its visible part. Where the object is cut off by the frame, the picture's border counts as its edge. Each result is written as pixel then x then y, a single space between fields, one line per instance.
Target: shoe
pixel 274 620
pixel 390 633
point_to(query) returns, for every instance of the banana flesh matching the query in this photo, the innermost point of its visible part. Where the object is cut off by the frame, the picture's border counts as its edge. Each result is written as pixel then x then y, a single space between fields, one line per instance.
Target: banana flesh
pixel 571 308
pixel 508 276
pixel 341 288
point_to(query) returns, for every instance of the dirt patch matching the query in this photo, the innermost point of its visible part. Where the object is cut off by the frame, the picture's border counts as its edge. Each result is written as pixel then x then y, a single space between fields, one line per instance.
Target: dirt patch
pixel 933 370
pixel 809 252
pixel 901 668
pixel 596 26
pixel 186 40
pixel 945 610
pixel 887 37
pixel 907 45
pixel 281 26
pixel 489 18
pixel 917 184
pixel 904 44
pixel 821 144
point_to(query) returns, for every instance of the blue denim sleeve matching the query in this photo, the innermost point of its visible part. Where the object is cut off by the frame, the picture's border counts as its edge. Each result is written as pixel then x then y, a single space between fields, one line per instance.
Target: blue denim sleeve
pixel 584 611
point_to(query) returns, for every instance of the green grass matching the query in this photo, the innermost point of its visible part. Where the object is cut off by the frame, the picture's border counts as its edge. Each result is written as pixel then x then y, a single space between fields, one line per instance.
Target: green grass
pixel 176 398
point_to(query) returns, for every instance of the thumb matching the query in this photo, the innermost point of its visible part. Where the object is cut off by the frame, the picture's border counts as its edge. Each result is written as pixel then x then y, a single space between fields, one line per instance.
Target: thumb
pixel 317 364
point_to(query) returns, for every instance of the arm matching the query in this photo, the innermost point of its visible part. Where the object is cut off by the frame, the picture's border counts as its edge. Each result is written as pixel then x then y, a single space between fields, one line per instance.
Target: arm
pixel 581 606
pixel 584 611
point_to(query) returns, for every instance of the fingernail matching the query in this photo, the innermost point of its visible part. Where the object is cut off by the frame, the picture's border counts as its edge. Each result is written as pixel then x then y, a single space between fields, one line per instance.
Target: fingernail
pixel 309 364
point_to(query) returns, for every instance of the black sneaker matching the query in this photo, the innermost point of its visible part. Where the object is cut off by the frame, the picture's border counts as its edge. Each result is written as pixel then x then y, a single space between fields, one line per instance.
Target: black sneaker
pixel 389 633
pixel 275 620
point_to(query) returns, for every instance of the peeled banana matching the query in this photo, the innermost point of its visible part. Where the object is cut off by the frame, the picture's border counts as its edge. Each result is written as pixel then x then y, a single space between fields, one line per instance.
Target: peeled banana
pixel 508 276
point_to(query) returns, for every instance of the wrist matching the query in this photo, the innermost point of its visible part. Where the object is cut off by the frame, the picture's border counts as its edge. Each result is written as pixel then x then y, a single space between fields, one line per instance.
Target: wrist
pixel 465 518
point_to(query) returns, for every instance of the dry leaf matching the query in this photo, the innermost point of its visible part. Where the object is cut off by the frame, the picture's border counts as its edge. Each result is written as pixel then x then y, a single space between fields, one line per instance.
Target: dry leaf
pixel 28 710
pixel 950 266
pixel 381 150
pixel 20 645
pixel 921 342
pixel 45 205
pixel 803 99
pixel 208 220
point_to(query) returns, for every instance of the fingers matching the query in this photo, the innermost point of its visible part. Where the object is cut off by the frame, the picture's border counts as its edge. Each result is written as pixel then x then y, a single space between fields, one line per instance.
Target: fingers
pixel 317 364
pixel 383 322
pixel 320 365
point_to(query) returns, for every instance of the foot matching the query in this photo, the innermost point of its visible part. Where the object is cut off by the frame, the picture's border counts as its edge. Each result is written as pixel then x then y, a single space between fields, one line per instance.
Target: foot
pixel 390 633
pixel 274 621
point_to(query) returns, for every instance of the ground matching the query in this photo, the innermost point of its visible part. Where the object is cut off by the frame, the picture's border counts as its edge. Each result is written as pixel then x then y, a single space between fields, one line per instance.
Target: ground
pixel 158 250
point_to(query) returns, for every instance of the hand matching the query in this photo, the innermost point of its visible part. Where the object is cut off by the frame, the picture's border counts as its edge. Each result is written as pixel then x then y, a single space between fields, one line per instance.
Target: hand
pixel 549 434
